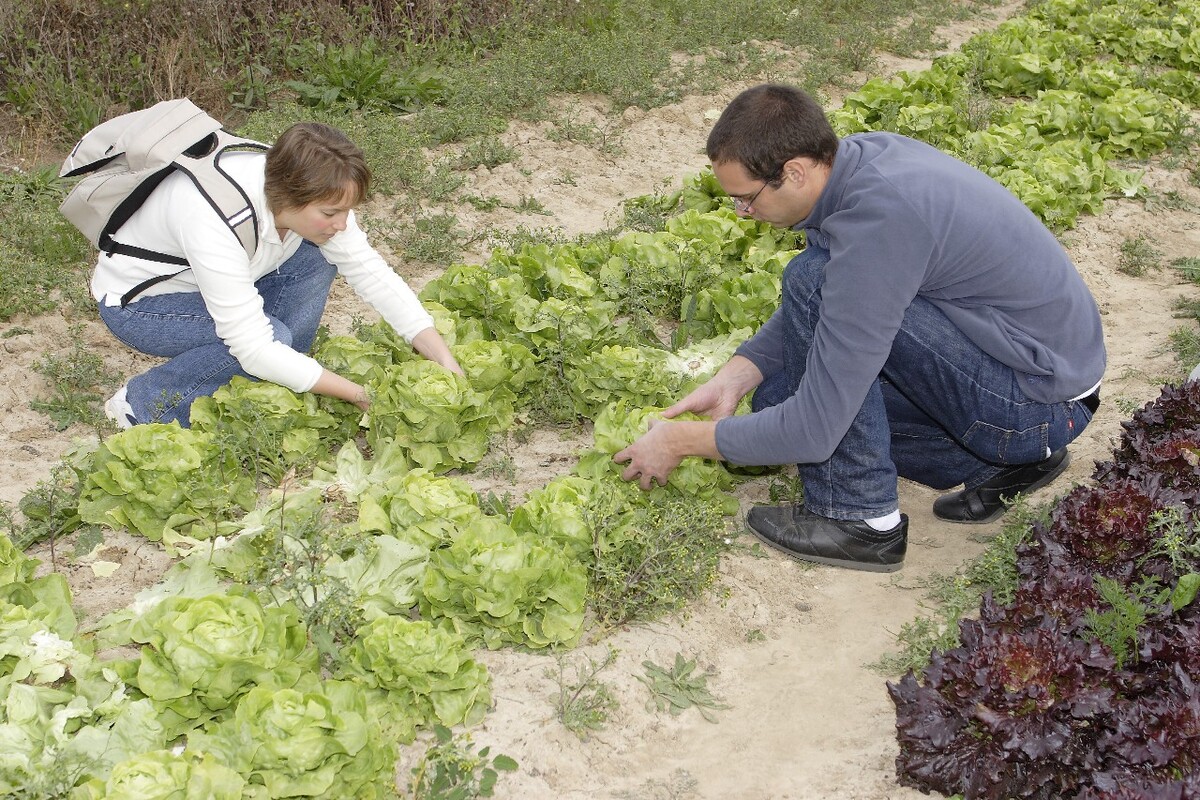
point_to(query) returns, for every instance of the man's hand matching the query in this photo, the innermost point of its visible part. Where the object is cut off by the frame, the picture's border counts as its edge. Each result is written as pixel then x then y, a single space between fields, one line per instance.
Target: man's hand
pixel 658 452
pixel 719 396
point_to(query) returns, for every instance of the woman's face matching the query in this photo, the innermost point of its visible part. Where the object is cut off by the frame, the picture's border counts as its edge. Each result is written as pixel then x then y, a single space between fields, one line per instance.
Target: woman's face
pixel 320 221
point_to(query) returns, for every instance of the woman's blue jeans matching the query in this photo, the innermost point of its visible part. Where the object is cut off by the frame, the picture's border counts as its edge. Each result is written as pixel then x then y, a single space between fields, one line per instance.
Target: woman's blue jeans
pixel 943 412
pixel 179 327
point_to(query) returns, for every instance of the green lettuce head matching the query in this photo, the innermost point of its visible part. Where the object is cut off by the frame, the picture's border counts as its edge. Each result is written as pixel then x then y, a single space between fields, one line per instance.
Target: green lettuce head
pixel 498 587
pixel 203 653
pixel 15 567
pixel 315 740
pixel 153 477
pixel 164 775
pixel 435 415
pixel 420 507
pixel 426 673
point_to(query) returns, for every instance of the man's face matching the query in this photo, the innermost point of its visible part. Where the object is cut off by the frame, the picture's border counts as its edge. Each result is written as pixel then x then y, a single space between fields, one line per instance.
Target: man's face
pixel 782 202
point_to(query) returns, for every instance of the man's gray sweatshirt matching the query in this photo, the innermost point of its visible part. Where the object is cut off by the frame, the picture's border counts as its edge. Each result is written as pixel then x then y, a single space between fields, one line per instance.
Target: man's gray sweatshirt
pixel 902 219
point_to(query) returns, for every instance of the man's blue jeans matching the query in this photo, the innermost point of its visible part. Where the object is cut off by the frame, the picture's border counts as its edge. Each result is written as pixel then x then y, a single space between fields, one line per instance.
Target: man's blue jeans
pixel 942 412
pixel 178 326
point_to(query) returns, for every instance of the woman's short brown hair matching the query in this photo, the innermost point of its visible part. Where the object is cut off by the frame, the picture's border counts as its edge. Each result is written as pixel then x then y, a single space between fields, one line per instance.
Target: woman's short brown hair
pixel 310 163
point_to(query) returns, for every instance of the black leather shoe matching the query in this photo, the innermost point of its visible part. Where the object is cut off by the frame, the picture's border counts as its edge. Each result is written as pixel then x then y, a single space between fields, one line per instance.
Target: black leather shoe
pixel 990 499
pixel 843 543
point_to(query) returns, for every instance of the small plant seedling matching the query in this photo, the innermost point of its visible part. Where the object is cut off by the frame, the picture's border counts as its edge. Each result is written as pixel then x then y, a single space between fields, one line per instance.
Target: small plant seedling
pixel 677 689
pixel 584 703
pixel 531 205
pixel 1138 256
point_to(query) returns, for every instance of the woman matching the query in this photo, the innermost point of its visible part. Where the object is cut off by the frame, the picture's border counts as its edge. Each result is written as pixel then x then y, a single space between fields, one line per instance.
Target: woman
pixel 232 314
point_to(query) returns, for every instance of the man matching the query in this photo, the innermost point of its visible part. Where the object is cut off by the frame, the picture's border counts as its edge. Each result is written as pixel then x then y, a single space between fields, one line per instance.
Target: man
pixel 933 328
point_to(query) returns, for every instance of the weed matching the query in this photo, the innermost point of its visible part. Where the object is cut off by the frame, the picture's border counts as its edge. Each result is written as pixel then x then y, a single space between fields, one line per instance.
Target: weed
pixel 1138 256
pixel 437 183
pixel 567 129
pixel 486 151
pixel 1188 267
pixel 1117 627
pixel 42 256
pixel 432 238
pixel 451 769
pixel 499 463
pixel 1185 342
pixel 51 509
pixel 679 688
pixel 653 560
pixel 495 505
pixel 75 382
pixel 360 76
pixel 50 777
pixel 583 702
pixel 951 597
pixel 531 205
pixel 1175 540
pixel 1171 200
pixel 1126 405
pixel 248 90
pixel 755 635
pixel 164 404
pixel 293 550
pixel 786 488
pixel 649 212
pixel 489 203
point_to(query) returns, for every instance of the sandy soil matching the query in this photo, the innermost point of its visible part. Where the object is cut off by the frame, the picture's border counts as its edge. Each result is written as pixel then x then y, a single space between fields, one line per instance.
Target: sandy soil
pixel 807 717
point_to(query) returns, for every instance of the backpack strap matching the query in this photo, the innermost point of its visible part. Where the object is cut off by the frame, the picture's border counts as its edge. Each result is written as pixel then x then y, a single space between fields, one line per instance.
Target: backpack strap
pixel 146 284
pixel 228 199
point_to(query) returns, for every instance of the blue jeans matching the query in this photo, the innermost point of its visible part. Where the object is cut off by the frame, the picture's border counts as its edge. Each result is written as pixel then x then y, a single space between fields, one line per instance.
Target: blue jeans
pixel 943 412
pixel 179 327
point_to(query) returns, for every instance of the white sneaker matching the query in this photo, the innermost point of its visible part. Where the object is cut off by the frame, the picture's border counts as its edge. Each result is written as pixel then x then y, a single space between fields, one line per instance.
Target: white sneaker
pixel 117 409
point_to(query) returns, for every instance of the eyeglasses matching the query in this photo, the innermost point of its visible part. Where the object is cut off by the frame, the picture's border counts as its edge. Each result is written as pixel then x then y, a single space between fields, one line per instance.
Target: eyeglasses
pixel 743 204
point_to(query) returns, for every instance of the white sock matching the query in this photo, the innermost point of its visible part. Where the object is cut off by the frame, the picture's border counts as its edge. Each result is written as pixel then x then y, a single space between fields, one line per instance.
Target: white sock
pixel 886 522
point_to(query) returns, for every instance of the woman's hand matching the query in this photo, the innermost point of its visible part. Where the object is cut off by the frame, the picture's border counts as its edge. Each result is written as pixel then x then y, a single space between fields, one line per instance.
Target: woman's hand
pixel 430 344
pixel 334 385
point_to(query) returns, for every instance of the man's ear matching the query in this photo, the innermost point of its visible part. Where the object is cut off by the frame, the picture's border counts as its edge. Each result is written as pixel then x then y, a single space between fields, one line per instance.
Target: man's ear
pixel 796 169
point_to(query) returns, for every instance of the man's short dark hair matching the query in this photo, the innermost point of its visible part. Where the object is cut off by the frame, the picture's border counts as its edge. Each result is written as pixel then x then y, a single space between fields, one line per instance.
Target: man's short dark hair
pixel 767 125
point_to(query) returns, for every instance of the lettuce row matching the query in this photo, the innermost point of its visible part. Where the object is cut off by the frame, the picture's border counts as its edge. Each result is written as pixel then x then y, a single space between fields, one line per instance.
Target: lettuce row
pixel 1084 685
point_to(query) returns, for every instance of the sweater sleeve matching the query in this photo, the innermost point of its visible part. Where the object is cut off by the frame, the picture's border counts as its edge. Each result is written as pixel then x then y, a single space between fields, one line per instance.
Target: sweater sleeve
pixel 376 282
pixel 879 251
pixel 222 272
